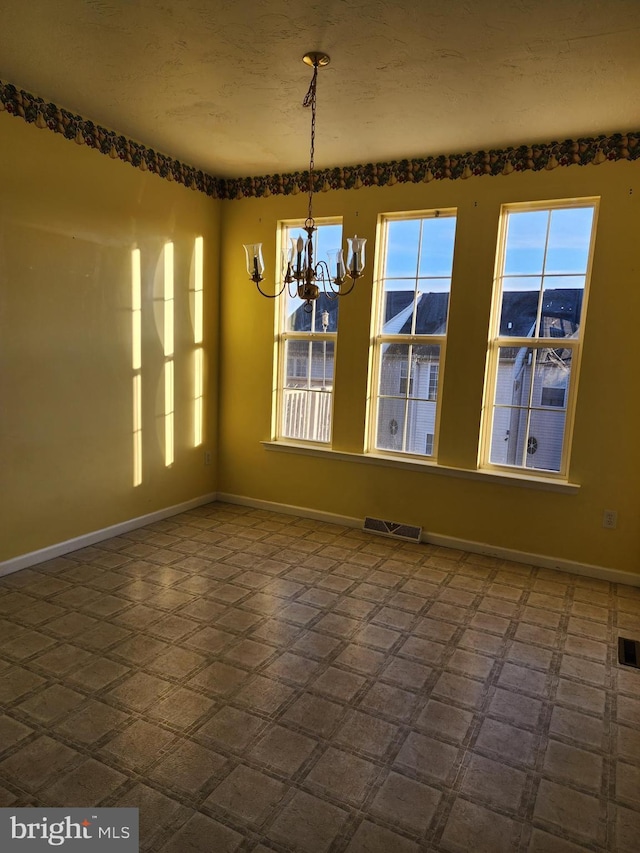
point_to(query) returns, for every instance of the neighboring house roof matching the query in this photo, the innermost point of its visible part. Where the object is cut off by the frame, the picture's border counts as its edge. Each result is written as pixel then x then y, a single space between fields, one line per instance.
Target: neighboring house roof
pixel 301 319
pixel 431 315
pixel 398 323
pixel 396 301
pixel 560 312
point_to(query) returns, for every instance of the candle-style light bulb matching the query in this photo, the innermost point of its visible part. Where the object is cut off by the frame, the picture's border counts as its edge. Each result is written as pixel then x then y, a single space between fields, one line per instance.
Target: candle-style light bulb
pixel 255 263
pixel 336 265
pixel 355 263
pixel 299 250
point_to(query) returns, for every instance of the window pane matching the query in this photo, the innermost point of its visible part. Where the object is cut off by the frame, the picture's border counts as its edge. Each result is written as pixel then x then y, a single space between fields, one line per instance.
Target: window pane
pixel 307 415
pixel 323 311
pixel 394 370
pixel 552 372
pixel 425 366
pixel 390 427
pixel 524 434
pixel 398 303
pixel 513 380
pixel 326 238
pixel 569 240
pixel 403 238
pixel 539 447
pixel 432 307
pixel 520 297
pixel 322 362
pixel 298 359
pixel 544 444
pixel 309 365
pixel 525 242
pixel 508 436
pixel 561 306
pixel 421 426
pixel 436 255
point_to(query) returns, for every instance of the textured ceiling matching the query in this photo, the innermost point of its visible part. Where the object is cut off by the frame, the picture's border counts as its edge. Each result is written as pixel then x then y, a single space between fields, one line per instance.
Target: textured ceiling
pixel 218 84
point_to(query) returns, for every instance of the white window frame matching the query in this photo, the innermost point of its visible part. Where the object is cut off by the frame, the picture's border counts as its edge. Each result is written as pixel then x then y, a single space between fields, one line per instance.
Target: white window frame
pixel 282 337
pixel 380 340
pixel 538 343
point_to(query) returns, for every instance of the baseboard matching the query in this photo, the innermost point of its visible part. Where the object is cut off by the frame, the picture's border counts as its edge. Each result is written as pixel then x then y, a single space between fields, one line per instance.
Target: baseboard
pixel 62 548
pixel 540 560
pixel 287 509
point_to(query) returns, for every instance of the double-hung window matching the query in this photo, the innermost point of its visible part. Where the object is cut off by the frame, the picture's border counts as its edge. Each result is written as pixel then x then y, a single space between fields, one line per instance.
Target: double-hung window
pixel 410 325
pixel 306 349
pixel 542 273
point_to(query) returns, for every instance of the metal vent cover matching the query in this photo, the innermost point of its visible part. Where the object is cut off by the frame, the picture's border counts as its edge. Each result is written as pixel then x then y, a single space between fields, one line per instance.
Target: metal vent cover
pixel 393 529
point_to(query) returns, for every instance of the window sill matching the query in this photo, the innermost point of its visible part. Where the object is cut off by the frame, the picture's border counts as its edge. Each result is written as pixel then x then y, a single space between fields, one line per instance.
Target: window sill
pixel 548 484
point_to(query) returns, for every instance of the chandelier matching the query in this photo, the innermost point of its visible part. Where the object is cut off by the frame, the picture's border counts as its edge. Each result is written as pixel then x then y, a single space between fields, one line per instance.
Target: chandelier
pixel 301 273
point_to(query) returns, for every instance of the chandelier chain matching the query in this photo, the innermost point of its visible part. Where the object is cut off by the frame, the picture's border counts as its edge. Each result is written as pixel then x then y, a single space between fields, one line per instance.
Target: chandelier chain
pixel 310 101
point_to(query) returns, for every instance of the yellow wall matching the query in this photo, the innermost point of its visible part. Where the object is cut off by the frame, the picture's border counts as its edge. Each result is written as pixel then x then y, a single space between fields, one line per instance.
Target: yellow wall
pixel 606 452
pixel 69 219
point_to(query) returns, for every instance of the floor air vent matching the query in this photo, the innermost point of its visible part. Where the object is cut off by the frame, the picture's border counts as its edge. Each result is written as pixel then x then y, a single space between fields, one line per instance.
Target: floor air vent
pixel 394 529
pixel 629 652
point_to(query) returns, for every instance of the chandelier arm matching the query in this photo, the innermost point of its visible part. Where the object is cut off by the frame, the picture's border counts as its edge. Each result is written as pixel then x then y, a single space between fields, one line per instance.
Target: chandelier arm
pixel 270 295
pixel 342 292
pixel 321 272
pixel 339 290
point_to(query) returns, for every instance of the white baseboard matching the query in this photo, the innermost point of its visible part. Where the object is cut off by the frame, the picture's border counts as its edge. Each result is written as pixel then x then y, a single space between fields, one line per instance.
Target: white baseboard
pixel 287 509
pixel 540 560
pixel 62 548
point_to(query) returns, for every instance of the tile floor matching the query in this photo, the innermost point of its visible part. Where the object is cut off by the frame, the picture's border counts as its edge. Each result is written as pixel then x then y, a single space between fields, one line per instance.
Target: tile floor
pixel 257 682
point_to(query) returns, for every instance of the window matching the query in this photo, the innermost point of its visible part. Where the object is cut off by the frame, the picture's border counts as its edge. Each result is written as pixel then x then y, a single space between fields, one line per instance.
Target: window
pixel 542 272
pixel 306 351
pixel 428 449
pixel 414 281
pixel 553 397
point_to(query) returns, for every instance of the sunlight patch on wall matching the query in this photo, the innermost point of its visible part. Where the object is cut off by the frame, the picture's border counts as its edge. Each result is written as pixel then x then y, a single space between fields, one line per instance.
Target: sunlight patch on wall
pixel 198 336
pixel 168 343
pixel 137 429
pixel 198 315
pixel 198 408
pixel 168 414
pixel 136 363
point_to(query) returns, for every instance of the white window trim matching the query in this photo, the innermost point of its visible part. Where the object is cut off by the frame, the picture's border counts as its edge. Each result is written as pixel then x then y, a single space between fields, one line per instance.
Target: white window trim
pixel 495 342
pixel 378 339
pixel 281 337
pixel 425 465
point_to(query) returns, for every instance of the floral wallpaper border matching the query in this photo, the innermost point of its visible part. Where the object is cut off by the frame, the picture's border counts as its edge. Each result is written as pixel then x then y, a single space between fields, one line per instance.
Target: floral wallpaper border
pixel 581 152
pixel 84 132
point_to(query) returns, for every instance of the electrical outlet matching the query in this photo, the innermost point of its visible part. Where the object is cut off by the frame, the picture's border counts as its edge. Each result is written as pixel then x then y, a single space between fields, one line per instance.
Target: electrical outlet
pixel 610 519
pixel 207 457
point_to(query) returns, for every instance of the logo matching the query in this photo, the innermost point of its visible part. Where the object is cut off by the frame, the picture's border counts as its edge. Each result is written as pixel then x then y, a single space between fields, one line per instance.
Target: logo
pixel 75 830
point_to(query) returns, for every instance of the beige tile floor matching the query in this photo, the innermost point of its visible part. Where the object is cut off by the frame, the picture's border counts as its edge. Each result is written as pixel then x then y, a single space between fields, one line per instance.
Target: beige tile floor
pixel 255 682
